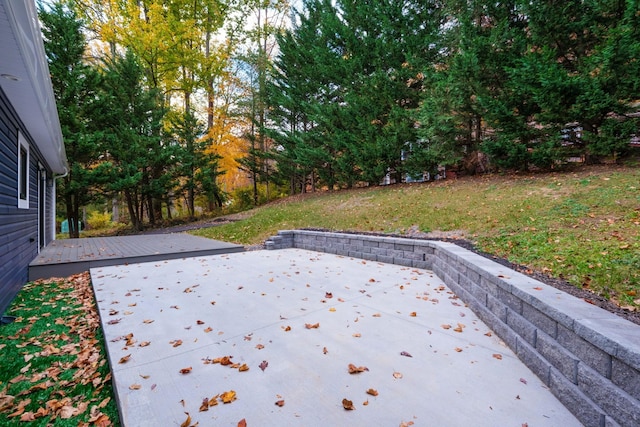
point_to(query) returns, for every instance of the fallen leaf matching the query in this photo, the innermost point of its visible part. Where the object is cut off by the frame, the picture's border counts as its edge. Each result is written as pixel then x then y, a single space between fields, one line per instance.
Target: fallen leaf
pixel 113 322
pixel 228 396
pixel 204 406
pixel 538 288
pixel 199 322
pixel 446 326
pixel 287 328
pixel 347 404
pixel 186 422
pixel 357 335
pixel 176 343
pixel 404 353
pixel 497 356
pixel 259 346
pixel 376 315
pixel 488 334
pixel 147 321
pixel 397 375
pixel 459 328
pixel 145 343
pixel 243 368
pixel 372 392
pixel 125 359
pixel 324 350
pixel 186 370
pixel 242 423
pixel 209 329
pixel 312 326
pixel 328 295
pixel 263 365
pixel 458 349
pixel 365 403
pixel 353 369
pixel 280 403
pixel 502 276
pixel 413 314
pixel 135 387
pixel 523 381
pixel 332 309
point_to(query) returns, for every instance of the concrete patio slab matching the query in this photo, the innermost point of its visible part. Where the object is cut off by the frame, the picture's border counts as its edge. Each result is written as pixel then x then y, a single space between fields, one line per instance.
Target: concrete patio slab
pixel 297 319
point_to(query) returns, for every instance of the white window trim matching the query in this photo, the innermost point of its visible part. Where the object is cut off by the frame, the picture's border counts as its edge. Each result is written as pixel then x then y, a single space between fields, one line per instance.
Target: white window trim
pixel 23 145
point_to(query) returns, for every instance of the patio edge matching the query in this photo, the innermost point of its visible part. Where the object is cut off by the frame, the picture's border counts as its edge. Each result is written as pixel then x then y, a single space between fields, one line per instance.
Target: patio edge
pixel 588 357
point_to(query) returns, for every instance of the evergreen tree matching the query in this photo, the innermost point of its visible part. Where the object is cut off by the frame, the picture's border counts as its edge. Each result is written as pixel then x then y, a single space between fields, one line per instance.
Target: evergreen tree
pixel 74 86
pixel 130 118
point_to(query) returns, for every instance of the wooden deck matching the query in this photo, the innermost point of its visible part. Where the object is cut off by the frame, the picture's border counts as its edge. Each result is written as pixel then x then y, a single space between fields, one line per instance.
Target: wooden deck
pixel 62 258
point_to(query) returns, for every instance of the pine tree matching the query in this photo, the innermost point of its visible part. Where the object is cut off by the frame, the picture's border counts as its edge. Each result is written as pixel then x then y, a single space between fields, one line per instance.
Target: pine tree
pixel 74 85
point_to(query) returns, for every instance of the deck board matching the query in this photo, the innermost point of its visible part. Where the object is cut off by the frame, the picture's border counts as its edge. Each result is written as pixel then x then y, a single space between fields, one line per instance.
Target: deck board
pixel 64 257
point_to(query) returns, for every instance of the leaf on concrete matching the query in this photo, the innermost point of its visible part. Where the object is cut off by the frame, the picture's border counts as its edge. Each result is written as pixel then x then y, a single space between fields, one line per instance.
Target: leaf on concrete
pixel 125 359
pixel 263 365
pixel 353 369
pixel 228 396
pixel 312 325
pixel 347 404
pixel 372 392
pixel 184 371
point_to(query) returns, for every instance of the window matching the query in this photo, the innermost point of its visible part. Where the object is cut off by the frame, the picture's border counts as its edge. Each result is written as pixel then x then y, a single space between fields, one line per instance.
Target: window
pixel 23 173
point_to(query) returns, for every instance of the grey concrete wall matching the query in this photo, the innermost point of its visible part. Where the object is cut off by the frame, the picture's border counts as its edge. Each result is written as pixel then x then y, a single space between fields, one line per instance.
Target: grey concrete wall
pixel 588 357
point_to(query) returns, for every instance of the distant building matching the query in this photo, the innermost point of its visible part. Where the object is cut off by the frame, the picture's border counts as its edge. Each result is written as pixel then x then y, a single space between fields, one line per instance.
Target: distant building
pixel 32 151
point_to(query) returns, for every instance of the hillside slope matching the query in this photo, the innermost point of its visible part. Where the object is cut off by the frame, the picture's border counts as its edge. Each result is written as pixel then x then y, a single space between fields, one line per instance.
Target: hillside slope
pixel 582 227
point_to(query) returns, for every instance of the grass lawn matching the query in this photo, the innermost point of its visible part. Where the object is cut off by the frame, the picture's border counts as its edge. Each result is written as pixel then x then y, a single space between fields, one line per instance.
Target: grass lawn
pixel 54 369
pixel 581 226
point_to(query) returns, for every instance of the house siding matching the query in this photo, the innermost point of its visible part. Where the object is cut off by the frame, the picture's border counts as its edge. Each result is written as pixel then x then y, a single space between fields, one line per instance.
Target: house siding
pixel 18 227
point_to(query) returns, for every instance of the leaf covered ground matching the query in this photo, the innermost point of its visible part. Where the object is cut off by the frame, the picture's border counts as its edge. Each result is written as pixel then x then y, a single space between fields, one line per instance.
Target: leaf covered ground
pixel 54 370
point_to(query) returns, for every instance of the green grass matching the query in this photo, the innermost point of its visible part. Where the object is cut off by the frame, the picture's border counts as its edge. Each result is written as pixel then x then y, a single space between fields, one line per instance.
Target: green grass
pixel 54 369
pixel 582 226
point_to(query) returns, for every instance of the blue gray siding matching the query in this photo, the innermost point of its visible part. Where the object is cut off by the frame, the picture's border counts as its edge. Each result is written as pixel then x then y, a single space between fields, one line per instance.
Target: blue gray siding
pixel 18 227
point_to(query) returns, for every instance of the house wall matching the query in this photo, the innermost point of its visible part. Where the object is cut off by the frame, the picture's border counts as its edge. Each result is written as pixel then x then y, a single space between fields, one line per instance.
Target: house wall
pixel 18 227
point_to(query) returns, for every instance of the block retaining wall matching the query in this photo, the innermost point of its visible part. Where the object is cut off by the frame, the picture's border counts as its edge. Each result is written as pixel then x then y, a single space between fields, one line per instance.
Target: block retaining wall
pixel 588 357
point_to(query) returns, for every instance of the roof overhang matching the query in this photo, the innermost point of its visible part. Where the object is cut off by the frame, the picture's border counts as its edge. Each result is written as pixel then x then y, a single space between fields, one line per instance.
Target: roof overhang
pixel 24 77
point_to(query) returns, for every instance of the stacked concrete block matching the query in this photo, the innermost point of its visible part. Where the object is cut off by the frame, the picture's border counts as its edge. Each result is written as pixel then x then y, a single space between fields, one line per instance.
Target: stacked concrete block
pixel 588 357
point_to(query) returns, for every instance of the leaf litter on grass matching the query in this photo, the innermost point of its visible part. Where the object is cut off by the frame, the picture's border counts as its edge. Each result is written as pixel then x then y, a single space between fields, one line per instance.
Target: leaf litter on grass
pixel 54 368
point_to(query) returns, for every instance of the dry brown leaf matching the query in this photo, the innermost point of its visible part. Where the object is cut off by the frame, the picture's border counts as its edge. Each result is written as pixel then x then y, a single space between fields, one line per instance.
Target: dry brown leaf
pixel 357 335
pixel 144 343
pixel 186 370
pixel 204 406
pixel 413 314
pixel 324 350
pixel 365 403
pixel 332 309
pixel 328 295
pixel 176 343
pixel 497 356
pixel 280 403
pixel 199 322
pixel 458 349
pixel 147 321
pixel 347 404
pixel 228 396
pixel 377 315
pixel 397 375
pixel 263 365
pixel 242 423
pixel 353 369
pixel 488 334
pixel 312 326
pixel 243 368
pixel 446 326
pixel 405 354
pixel 372 392
pixel 286 328
pixel 125 359
pixel 186 422
pixel 135 387
pixel 209 329
pixel 259 346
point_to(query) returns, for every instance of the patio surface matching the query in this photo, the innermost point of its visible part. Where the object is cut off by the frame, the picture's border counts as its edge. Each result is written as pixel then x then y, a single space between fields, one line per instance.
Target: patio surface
pixel 297 319
pixel 65 257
